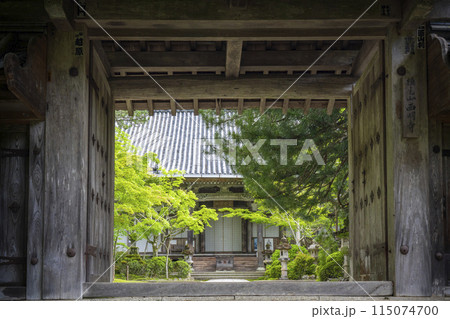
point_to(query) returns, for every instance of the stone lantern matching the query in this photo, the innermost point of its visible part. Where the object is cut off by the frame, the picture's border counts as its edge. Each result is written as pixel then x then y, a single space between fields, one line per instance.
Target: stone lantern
pixel 313 249
pixel 267 253
pixel 284 247
pixel 188 252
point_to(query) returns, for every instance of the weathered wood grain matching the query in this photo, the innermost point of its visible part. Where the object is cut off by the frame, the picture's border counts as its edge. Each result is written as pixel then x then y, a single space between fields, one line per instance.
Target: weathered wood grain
pixel 13 203
pixel 35 211
pixel 408 172
pixel 191 87
pixel 368 235
pixel 437 176
pixel 136 13
pixel 28 83
pixel 66 169
pixel 233 59
pixel 255 288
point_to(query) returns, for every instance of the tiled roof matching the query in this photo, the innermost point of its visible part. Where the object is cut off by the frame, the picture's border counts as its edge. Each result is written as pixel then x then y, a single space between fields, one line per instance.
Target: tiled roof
pixel 179 143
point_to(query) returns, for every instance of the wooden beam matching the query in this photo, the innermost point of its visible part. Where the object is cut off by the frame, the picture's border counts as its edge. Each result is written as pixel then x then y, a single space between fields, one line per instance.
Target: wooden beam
pixel 285 106
pixel 60 13
pixel 217 11
pixel 238 290
pixel 102 58
pixel 364 57
pixel 414 13
pixel 330 106
pixel 218 106
pixel 192 87
pixel 276 34
pixel 240 106
pixel 29 83
pixel 130 108
pixel 408 171
pixel 150 107
pixel 66 175
pixel 173 107
pixel 226 104
pixel 29 15
pixel 215 61
pixel 307 106
pixel 195 106
pixel 262 106
pixel 233 62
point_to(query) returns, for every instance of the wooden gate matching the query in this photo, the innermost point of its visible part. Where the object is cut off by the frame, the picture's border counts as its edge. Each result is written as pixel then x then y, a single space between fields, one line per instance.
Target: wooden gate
pixel 13 204
pixel 367 178
pixel 101 174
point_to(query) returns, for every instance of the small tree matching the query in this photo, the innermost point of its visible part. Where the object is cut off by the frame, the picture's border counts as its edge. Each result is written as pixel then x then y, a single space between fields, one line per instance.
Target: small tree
pixel 175 216
pixel 152 207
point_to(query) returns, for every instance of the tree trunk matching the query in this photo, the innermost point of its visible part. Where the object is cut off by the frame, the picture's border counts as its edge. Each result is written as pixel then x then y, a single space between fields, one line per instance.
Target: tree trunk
pixel 167 260
pixel 155 249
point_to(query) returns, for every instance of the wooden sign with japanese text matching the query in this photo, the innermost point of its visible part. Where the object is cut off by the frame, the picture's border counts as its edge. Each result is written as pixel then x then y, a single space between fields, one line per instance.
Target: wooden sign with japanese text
pixel 410 108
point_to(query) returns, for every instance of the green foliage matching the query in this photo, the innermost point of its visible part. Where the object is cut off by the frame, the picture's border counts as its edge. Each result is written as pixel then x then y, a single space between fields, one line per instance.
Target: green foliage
pixel 332 267
pixel 328 246
pixel 156 267
pixel 152 207
pixel 273 270
pixel 137 268
pixel 306 190
pixel 182 268
pixel 302 264
pixel 136 265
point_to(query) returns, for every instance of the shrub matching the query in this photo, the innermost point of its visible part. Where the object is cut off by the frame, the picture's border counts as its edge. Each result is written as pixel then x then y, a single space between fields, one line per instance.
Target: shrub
pixel 273 270
pixel 135 263
pixel 332 268
pixel 182 268
pixel 137 267
pixel 302 264
pixel 156 267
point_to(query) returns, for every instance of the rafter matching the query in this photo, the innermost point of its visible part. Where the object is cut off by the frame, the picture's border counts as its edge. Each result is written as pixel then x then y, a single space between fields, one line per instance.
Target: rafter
pixel 233 61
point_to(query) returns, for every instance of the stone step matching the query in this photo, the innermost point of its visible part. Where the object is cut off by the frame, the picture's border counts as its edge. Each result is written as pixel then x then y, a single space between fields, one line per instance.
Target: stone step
pixel 227 275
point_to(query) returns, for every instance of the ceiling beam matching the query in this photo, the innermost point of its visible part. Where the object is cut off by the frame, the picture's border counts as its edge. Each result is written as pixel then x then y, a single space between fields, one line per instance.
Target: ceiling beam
pixel 225 104
pixel 215 61
pixel 233 62
pixel 219 10
pixel 60 13
pixel 101 58
pixel 274 34
pixel 366 54
pixel 197 87
pixel 415 13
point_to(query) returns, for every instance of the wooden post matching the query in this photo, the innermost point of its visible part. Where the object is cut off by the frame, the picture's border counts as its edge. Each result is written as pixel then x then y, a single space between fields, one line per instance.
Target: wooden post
pixel 439 280
pixel 407 163
pixel 35 211
pixel 66 166
pixel 260 246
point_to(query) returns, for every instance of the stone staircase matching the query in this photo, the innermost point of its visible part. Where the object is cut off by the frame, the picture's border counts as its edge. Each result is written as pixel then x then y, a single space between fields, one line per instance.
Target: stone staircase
pixel 207 275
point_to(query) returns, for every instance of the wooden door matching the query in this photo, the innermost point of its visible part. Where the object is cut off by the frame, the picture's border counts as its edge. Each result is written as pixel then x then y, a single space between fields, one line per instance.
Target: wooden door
pixel 13 204
pixel 367 179
pixel 101 176
pixel 446 190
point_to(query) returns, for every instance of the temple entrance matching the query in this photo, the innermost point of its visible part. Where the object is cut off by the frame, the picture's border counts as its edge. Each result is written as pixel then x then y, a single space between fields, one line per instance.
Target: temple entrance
pixel 225 235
